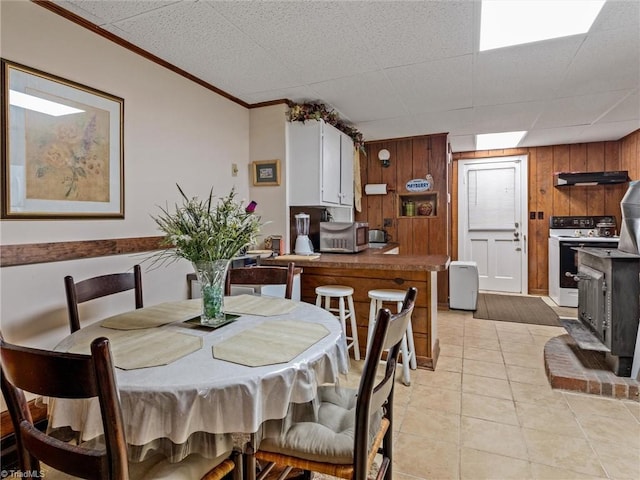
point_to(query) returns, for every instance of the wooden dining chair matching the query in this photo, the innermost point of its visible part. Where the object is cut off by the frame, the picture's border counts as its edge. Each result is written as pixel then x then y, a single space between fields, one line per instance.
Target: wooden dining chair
pixel 351 426
pixel 262 275
pixel 66 375
pixel 100 286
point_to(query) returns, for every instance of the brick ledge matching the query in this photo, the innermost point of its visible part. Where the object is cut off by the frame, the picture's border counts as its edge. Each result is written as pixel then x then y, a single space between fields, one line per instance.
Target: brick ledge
pixel 568 367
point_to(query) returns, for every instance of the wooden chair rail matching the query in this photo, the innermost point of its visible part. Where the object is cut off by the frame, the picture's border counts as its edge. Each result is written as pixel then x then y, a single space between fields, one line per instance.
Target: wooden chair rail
pixel 31 253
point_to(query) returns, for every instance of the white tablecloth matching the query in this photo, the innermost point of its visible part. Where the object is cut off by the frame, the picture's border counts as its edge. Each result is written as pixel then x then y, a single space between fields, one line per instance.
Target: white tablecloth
pixel 199 393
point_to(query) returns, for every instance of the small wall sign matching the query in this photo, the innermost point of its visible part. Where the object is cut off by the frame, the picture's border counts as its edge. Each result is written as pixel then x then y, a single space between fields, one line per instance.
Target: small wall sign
pixel 418 185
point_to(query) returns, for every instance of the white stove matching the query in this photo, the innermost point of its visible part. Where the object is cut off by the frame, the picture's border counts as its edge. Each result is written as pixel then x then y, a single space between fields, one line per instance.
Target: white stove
pixel 565 234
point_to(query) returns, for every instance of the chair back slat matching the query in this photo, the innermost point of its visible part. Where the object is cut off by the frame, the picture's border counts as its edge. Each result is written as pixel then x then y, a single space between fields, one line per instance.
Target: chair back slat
pixel 65 457
pixel 262 275
pixel 100 286
pixel 64 375
pixel 48 373
pixel 104 285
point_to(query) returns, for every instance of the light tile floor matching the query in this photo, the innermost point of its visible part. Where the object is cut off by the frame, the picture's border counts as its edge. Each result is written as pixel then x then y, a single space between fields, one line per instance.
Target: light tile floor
pixel 487 412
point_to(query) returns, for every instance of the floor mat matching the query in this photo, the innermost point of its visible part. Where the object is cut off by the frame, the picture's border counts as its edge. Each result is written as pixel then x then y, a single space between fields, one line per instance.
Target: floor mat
pixel 513 308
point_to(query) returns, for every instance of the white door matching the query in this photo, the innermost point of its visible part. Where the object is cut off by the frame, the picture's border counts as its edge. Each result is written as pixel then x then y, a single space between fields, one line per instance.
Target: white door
pixel 492 228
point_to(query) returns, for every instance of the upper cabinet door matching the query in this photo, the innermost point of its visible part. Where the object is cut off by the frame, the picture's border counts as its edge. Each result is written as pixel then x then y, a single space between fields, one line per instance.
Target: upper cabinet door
pixel 319 165
pixel 346 170
pixel 331 145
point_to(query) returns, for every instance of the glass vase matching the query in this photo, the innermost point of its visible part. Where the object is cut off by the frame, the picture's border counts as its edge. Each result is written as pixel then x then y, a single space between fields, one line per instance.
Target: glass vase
pixel 212 276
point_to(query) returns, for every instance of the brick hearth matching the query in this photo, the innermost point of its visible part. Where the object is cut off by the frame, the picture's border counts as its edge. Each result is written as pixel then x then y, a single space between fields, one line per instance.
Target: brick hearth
pixel 569 367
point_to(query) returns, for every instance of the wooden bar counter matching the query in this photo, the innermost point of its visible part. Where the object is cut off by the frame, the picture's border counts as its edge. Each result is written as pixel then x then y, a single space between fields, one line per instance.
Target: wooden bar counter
pixel 373 269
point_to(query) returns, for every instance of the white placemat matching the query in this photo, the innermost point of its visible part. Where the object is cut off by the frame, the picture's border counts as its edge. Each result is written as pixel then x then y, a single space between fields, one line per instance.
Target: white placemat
pixel 142 348
pixel 279 341
pixel 257 305
pixel 155 316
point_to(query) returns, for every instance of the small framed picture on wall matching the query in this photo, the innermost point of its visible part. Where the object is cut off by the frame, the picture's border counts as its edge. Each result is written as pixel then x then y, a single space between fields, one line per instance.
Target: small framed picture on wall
pixel 266 173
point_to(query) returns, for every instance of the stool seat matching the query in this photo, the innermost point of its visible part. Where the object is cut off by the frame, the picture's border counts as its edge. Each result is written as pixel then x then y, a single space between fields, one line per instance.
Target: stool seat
pixel 341 292
pixel 387 294
pixel 334 290
pixel 378 297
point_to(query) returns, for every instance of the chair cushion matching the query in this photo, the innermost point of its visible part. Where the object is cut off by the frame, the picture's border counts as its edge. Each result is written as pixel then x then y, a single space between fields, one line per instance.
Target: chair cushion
pixel 330 437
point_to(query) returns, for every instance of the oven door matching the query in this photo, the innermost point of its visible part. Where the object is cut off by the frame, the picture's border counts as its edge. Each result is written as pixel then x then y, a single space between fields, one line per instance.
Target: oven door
pixel 361 237
pixel 569 259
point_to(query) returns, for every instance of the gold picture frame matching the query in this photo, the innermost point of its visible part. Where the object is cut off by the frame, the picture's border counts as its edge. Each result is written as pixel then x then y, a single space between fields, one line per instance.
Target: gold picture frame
pixel 266 173
pixel 62 154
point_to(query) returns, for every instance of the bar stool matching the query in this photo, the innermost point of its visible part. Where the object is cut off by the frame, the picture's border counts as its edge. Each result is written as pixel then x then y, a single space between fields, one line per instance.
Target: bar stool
pixel 408 349
pixel 341 292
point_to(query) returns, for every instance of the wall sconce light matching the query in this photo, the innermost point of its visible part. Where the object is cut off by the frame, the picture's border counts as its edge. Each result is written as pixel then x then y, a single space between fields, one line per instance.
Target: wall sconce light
pixel 384 156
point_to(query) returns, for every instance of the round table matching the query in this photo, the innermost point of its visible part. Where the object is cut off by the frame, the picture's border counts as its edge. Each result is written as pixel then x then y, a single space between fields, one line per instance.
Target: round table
pixel 177 407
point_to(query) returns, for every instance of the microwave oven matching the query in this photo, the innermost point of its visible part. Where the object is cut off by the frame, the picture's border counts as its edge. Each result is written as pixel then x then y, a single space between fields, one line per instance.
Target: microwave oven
pixel 344 237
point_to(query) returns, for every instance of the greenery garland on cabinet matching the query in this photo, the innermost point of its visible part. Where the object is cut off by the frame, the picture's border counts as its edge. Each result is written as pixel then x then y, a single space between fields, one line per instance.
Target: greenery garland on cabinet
pixel 301 112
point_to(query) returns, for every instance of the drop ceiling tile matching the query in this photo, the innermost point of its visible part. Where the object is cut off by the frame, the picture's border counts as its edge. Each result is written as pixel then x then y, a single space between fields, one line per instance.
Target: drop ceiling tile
pixel 201 42
pixel 389 128
pixel 298 94
pixel 183 28
pixel 315 37
pixel 553 136
pixel 407 32
pixel 523 72
pixel 75 7
pixel 618 14
pixel 604 131
pixel 362 97
pixel 434 86
pixel 462 143
pixel 579 110
pixel 460 120
pixel 506 118
pixel 110 11
pixel 627 109
pixel 606 61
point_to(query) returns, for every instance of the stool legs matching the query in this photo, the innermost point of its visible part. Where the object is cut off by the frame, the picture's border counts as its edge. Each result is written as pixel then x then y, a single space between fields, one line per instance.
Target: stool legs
pixel 373 311
pixel 407 347
pixel 354 328
pixel 343 314
pixel 412 348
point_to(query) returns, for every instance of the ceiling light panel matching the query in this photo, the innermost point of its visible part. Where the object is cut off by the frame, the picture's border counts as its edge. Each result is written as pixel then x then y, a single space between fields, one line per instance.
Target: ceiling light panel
pixel 492 141
pixel 505 23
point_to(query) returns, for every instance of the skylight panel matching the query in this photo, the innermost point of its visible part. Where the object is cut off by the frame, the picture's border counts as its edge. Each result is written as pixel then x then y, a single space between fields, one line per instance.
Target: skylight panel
pixel 513 22
pixel 493 141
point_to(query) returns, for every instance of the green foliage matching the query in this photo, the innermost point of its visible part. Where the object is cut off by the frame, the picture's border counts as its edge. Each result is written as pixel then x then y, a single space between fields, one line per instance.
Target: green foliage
pixel 301 112
pixel 202 230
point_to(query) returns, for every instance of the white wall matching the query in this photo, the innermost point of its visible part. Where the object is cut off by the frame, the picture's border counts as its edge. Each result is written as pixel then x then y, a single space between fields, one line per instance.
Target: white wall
pixel 174 131
pixel 268 142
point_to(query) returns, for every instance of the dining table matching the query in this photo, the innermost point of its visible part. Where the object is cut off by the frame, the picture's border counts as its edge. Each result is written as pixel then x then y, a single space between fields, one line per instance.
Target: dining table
pixel 190 388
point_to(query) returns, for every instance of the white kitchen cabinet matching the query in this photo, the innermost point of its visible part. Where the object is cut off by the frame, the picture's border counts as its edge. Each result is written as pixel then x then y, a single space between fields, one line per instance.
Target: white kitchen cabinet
pixel 320 165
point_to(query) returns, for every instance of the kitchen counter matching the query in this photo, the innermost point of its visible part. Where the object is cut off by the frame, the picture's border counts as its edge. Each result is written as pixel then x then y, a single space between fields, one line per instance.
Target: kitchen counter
pixel 373 258
pixel 374 269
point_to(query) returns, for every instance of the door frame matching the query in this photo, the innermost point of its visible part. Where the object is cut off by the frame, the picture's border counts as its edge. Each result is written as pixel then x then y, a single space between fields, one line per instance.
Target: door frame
pixel 524 204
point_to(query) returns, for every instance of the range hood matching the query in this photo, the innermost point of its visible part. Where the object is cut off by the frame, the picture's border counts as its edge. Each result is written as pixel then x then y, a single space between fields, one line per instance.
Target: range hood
pixel 565 179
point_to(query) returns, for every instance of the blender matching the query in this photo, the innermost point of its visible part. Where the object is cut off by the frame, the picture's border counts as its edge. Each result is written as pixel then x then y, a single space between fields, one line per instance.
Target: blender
pixel 303 243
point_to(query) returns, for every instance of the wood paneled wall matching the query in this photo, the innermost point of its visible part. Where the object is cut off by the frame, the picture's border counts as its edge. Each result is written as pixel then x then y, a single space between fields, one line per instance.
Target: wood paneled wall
pixel 544 197
pixel 411 157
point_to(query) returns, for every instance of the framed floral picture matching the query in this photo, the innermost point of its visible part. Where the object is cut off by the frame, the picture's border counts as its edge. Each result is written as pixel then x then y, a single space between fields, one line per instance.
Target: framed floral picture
pixel 266 173
pixel 62 154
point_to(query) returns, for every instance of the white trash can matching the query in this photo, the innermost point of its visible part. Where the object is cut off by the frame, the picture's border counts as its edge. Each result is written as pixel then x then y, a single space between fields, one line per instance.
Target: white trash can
pixel 463 285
